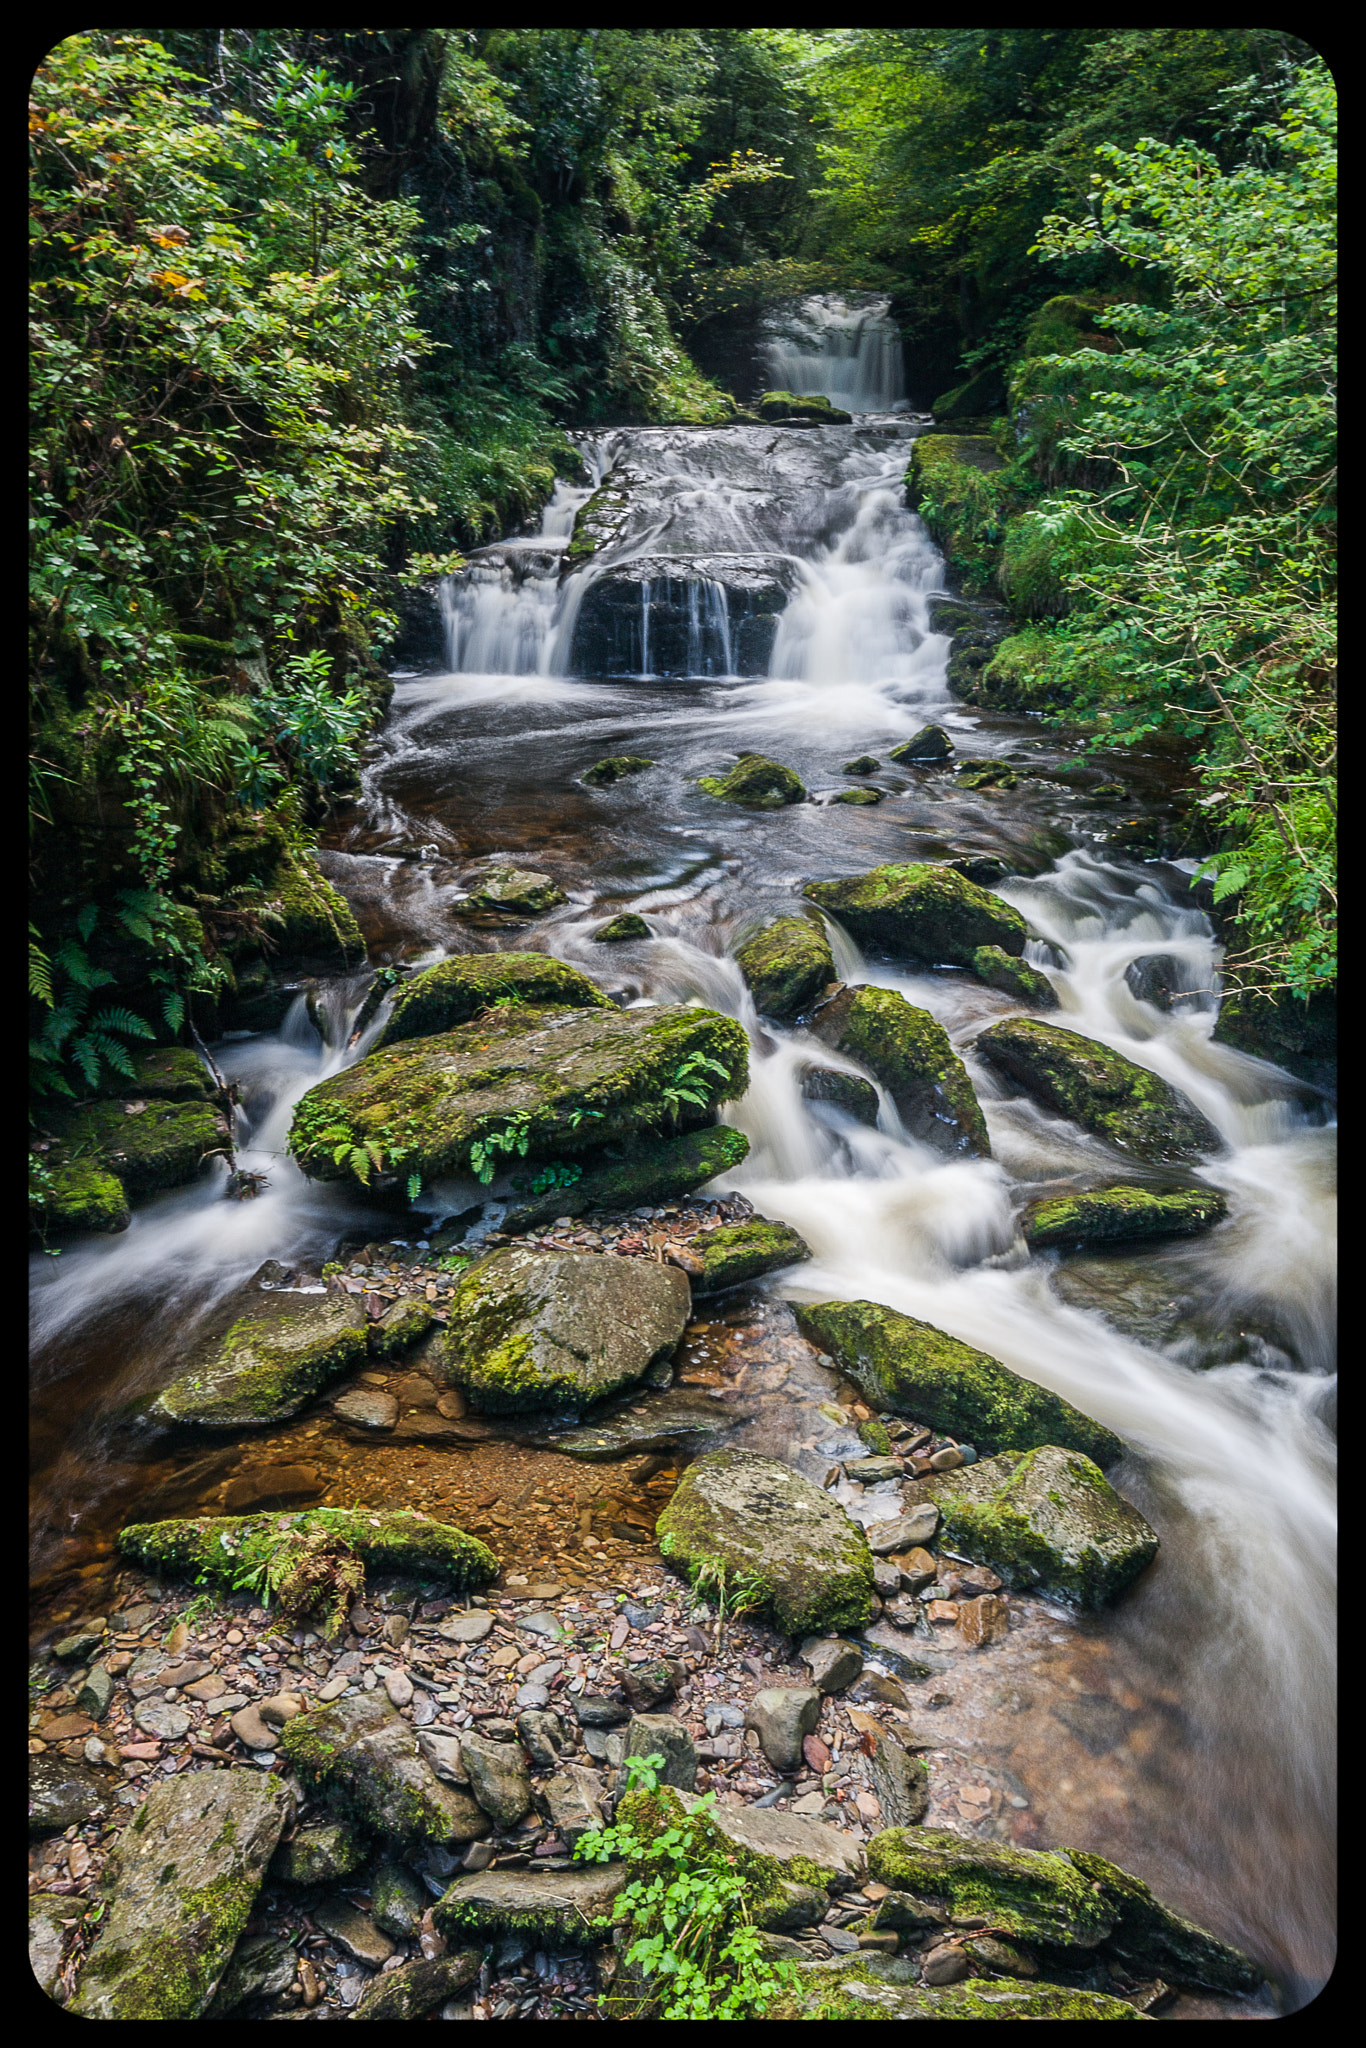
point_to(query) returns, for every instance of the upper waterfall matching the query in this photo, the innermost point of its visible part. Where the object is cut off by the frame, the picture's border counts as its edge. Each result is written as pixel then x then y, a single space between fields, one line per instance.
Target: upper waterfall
pixel 846 348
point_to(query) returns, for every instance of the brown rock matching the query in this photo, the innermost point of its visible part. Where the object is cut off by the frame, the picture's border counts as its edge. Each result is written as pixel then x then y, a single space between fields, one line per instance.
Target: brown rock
pixel 265 1483
pixel 981 1621
pixel 250 1729
pixel 945 1966
pixel 941 1611
pixel 818 1757
pixel 178 1639
pixel 65 1727
pixel 917 1568
pixel 281 1707
pixel 211 1688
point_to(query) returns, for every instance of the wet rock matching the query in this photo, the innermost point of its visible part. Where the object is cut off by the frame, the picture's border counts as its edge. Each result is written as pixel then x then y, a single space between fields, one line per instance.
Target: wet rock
pixel 833 1663
pixel 272 1485
pixel 466 1628
pixel 535 1330
pixel 1099 1723
pixel 849 1092
pixel 900 1780
pixel 593 1711
pixel 366 1408
pixel 319 1853
pixel 79 1195
pixel 144 1145
pixel 1014 978
pixel 861 795
pixel 911 1055
pixel 754 1515
pixel 523 890
pixel 1037 1895
pixel 796 1905
pixel 982 1621
pixel 1159 979
pixel 412 1992
pixel 95 1693
pixel 603 773
pixel 571 1801
pixel 542 1738
pixel 542 1067
pixel 782 1716
pixel 991 1954
pixel 903 1913
pixel 273 1358
pixel 786 965
pixel 62 1793
pixel 924 909
pixel 664 1170
pixel 872 1471
pixel 662 1735
pixel 626 926
pixel 1107 1094
pixel 363 1754
pixel 800 409
pixel 1149 1938
pixel 787 1837
pixel 403 1324
pixel 182 1880
pixel 498 1777
pixel 866 764
pixel 756 782
pixel 931 743
pixel 397 1901
pixel 1111 1215
pixel 677 1418
pixel 354 1932
pixel 649 1685
pixel 386 1540
pixel 743 1251
pixel 443 1753
pixel 911 1368
pixel 1045 1519
pixel 560 1907
pixel 262 1966
pixel 456 990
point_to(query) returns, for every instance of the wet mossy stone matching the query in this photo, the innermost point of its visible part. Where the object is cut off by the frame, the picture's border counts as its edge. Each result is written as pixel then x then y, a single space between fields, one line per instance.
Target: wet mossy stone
pixel 519 889
pixel 744 1251
pixel 404 1324
pixel 395 1540
pixel 1014 977
pixel 866 764
pixel 533 1330
pixel 906 1367
pixel 318 1854
pixel 751 1515
pixel 456 990
pixel 278 1353
pixel 1036 1895
pixel 654 1419
pixel 1111 1215
pixel 316 928
pixel 168 1073
pixel 181 1883
pixel 786 965
pixel 614 768
pixel 1150 1939
pixel 557 1082
pixel 366 1758
pixel 1100 1089
pixel 626 926
pixel 986 775
pixel 863 1992
pixel 560 1907
pixel 758 782
pixel 411 1992
pixel 805 408
pixel 909 1052
pixel 1045 1519
pixel 861 795
pixel 931 743
pixel 661 1170
pixel 80 1196
pixel 157 1145
pixel 849 1092
pixel 922 908
pixel 62 1793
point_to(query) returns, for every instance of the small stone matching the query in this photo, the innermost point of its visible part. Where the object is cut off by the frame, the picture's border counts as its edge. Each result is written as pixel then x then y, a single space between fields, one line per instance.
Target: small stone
pixel 782 1716
pixel 96 1693
pixel 354 1933
pixel 399 1686
pixel 872 1471
pixel 983 1621
pixel 947 1460
pixel 817 1756
pixel 333 1689
pixel 941 1612
pixel 541 1738
pixel 466 1628
pixel 498 1778
pixel 397 1901
pixel 571 1802
pixel 532 1695
pixel 442 1752
pixel 281 1707
pixel 154 1717
pixel 833 1663
pixel 75 1649
pixel 249 1729
pixel 945 1966
pixel 595 1712
pixel 650 1733
pixel 649 1685
pixel 366 1408
pixel 318 1854
pixel 917 1569
pixel 906 1532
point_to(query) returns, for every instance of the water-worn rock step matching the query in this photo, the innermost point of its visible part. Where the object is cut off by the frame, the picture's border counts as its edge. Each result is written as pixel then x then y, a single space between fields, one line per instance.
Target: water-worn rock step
pixel 456 990
pixel 657 1171
pixel 104 1154
pixel 786 965
pixel 906 1367
pixel 280 1350
pixel 619 929
pixel 398 1540
pixel 365 1758
pixel 1117 1214
pixel 1045 1519
pixel 924 909
pixel 559 1907
pixel 910 1053
pixel 756 782
pixel 523 890
pixel 744 1251
pixel 757 1518
pixel 181 1881
pixel 533 1330
pixel 526 1083
pixel 1098 1088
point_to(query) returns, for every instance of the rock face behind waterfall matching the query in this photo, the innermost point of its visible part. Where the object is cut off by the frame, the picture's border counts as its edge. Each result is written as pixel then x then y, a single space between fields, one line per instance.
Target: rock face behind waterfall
pixel 1099 1089
pixel 910 1054
pixel 681 615
pixel 923 909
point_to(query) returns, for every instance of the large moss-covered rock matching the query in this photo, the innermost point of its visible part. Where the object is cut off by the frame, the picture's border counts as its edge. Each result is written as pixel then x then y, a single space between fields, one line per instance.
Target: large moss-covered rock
pixel 922 908
pixel 455 990
pixel 1100 1089
pixel 524 1083
pixel 907 1367
pixel 366 1758
pixel 863 1992
pixel 170 1073
pixel 800 409
pixel 1014 977
pixel 1151 1940
pixel 656 1172
pixel 181 1883
pixel 559 1907
pixel 277 1354
pixel 910 1054
pixel 930 744
pixel 758 782
pixel 786 965
pixel 525 891
pixel 743 1251
pixel 1036 1895
pixel 77 1194
pixel 147 1143
pixel 745 1514
pixel 385 1539
pixel 1045 1519
pixel 1110 1215
pixel 533 1330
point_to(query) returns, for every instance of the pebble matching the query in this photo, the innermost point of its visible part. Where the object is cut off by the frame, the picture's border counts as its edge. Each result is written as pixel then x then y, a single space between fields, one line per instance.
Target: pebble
pixel 154 1717
pixel 399 1686
pixel 466 1628
pixel 250 1729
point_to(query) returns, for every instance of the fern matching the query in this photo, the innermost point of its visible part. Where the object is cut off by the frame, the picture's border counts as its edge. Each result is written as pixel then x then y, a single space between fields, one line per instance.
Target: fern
pixel 39 974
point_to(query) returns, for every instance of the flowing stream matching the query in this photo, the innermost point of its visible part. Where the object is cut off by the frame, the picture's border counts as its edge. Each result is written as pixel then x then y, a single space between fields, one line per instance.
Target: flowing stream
pixel 1204 1759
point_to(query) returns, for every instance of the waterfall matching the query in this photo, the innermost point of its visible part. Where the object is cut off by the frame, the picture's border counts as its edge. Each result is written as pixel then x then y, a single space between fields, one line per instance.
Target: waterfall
pixel 847 348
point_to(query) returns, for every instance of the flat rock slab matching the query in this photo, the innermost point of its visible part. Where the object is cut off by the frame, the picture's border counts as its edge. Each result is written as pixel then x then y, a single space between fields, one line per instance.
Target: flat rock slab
pixel 412 1992
pixel 1098 1088
pixel 786 965
pixel 182 1880
pixel 456 990
pixel 1046 1519
pixel 743 1251
pixel 519 889
pixel 157 1145
pixel 367 1755
pixel 923 909
pixel 676 1418
pixel 1114 1215
pixel 909 1052
pixel 756 1516
pixel 533 1330
pixel 785 1836
pixel 911 1368
pixel 561 1907
pixel 354 1932
pixel 272 1359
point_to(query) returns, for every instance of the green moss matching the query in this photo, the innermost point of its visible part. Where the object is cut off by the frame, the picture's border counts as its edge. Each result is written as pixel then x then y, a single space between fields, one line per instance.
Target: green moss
pixel 742 1251
pixel 1111 1215
pixel 1014 977
pixel 860 1993
pixel 170 1073
pixel 398 1540
pixel 1152 1938
pixel 1016 678
pixel 1032 1893
pixel 627 926
pixel 658 1172
pixel 317 923
pixel 786 965
pixel 874 1434
pixel 866 764
pixel 158 1147
pixel 614 768
pixel 176 1979
pixel 1099 1089
pixel 922 907
pixel 267 1364
pixel 757 782
pixel 78 1194
pixel 812 408
pixel 909 1052
pixel 803 1871
pixel 954 483
pixel 456 990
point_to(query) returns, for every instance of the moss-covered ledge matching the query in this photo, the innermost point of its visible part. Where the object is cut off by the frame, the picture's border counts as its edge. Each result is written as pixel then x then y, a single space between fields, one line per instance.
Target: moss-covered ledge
pixel 389 1540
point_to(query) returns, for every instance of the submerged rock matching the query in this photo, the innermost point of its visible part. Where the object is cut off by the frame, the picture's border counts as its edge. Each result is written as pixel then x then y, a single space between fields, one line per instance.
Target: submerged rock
pixel 456 990
pixel 931 743
pixel 627 926
pixel 1110 1215
pixel 1045 1519
pixel 1100 1089
pixel 924 909
pixel 754 1517
pixel 557 1907
pixel 278 1353
pixel 866 764
pixel 849 1092
pixel 603 773
pixel 910 1054
pixel 366 1758
pixel 758 782
pixel 660 1171
pixel 786 965
pixel 518 889
pixel 742 1251
pixel 386 1540
pixel 908 1367
pixel 533 1330
pixel 1014 977
pixel 674 1419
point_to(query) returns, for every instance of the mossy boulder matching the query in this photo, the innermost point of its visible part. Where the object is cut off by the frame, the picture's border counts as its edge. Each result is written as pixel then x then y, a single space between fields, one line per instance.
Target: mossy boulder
pixel 757 782
pixel 558 1908
pixel 831 1992
pixel 864 794
pixel 603 773
pixel 456 990
pixel 954 482
pixel 1014 676
pixel 1112 1215
pixel 625 926
pixel 910 1054
pixel 1014 977
pixel 661 1170
pixel 534 1330
pixel 1035 1895
pixel 167 1073
pixel 849 1092
pixel 525 891
pixel 924 909
pixel 866 764
pixel 743 1251
pixel 532 1083
pixel 800 408
pixel 312 925
pixel 365 1758
pixel 786 965
pixel 1045 1519
pixel 1098 1088
pixel 147 1144
pixel 389 1540
pixel 181 1883
pixel 906 1367
pixel 78 1194
pixel 930 744
pixel 987 772
pixel 277 1354
pixel 1151 1940
pixel 752 1516
pixel 318 1854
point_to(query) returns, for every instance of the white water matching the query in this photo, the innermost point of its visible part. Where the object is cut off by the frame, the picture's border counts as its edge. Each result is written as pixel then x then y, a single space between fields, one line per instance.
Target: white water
pixel 846 349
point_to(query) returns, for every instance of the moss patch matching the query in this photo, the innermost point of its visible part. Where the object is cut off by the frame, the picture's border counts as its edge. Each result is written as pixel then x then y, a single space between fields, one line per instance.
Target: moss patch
pixel 742 1251
pixel 627 926
pixel 456 990
pixel 387 1541
pixel 160 1146
pixel 603 773
pixel 909 1052
pixel 272 1360
pixel 1100 1089
pixel 1014 978
pixel 954 483
pixel 657 1172
pixel 1036 1894
pixel 1111 1215
pixel 79 1195
pixel 807 408
pixel 1150 1938
pixel 923 908
pixel 757 782
pixel 786 965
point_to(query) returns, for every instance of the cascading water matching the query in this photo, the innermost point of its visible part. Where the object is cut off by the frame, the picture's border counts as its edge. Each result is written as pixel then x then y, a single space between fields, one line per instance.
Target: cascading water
pixel 846 349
